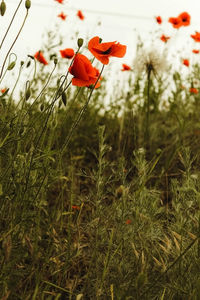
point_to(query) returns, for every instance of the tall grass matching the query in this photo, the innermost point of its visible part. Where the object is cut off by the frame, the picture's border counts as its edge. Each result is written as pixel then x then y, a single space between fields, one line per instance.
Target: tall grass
pixel 89 208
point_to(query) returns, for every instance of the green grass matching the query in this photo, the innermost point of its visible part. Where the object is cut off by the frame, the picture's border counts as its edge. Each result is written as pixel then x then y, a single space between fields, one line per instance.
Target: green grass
pixel 110 209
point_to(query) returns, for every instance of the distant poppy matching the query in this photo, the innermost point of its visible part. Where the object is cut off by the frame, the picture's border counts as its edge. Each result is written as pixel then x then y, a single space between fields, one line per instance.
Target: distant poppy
pixel 128 221
pixel 176 22
pixel 164 38
pixel 3 91
pixel 80 15
pixel 193 90
pixel 67 53
pixel 195 51
pixel 62 16
pixel 196 36
pixel 83 71
pixel 103 51
pixel 159 20
pixel 186 62
pixel 125 67
pixel 40 57
pixel 185 18
pixel 60 1
pixel 75 207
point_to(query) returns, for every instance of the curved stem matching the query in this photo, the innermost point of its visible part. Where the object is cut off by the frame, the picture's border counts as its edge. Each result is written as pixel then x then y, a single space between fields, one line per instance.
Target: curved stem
pixel 13 43
pixel 10 23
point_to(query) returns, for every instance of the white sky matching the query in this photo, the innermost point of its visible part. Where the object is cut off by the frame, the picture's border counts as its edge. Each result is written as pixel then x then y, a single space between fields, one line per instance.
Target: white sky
pixel 121 20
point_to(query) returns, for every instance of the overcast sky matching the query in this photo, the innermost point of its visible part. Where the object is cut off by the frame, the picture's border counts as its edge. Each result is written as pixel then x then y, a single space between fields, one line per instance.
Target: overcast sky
pixel 120 20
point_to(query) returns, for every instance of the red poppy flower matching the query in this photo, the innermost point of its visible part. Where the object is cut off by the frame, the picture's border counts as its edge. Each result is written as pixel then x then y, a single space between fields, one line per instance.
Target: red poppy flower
pixel 67 53
pixel 83 71
pixel 193 90
pixel 128 221
pixel 40 57
pixel 176 22
pixel 159 20
pixel 195 51
pixel 196 36
pixel 75 207
pixel 125 67
pixel 62 16
pixel 60 1
pixel 103 51
pixel 3 91
pixel 185 18
pixel 80 15
pixel 164 38
pixel 186 62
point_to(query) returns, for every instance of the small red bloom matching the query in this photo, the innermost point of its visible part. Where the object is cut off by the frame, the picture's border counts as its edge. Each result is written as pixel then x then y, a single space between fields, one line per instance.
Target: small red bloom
pixel 60 1
pixel 39 56
pixel 128 221
pixel 80 15
pixel 103 51
pixel 3 91
pixel 83 71
pixel 62 16
pixel 67 53
pixel 164 38
pixel 185 18
pixel 75 207
pixel 159 20
pixel 195 51
pixel 193 90
pixel 176 22
pixel 196 36
pixel 125 67
pixel 186 62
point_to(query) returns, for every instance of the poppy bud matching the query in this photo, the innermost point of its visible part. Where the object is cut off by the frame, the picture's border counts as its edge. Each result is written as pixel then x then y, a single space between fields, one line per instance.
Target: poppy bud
pixel 11 66
pixel 42 107
pixel 55 61
pixel 2 8
pixel 64 98
pixel 28 4
pixel 80 42
pixel 28 93
pixel 21 63
pixel 32 57
pixel 28 63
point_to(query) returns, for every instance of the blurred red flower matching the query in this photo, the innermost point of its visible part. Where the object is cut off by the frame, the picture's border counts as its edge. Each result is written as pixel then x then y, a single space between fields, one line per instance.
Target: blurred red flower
pixel 67 53
pixel 103 51
pixel 196 36
pixel 176 22
pixel 159 20
pixel 186 62
pixel 3 91
pixel 80 15
pixel 195 51
pixel 75 207
pixel 164 38
pixel 83 71
pixel 185 18
pixel 193 90
pixel 40 57
pixel 125 67
pixel 128 221
pixel 62 16
pixel 60 1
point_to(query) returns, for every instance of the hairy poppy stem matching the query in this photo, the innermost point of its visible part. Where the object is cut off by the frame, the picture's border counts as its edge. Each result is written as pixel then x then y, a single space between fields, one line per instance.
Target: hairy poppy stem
pixel 10 23
pixel 148 108
pixel 75 124
pixel 13 43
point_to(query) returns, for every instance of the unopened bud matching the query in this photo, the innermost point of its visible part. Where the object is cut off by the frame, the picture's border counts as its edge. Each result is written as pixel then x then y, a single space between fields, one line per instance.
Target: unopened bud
pixel 11 66
pixel 22 63
pixel 80 42
pixel 28 93
pixel 55 61
pixel 28 4
pixel 64 98
pixel 2 8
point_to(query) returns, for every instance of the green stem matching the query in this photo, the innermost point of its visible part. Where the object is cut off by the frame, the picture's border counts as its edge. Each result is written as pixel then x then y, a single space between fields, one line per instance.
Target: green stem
pixel 13 43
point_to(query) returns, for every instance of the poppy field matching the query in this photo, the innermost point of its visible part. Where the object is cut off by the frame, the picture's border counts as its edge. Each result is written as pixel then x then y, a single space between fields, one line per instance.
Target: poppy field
pixel 100 199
